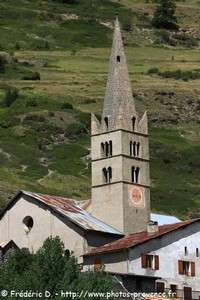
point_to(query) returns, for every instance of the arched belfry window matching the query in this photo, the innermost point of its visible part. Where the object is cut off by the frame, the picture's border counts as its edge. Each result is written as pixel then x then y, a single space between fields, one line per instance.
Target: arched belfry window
pixel 135 171
pixel 118 58
pixel 138 149
pixel 110 148
pixel 107 174
pixel 102 148
pixel 131 148
pixel 106 122
pixel 134 149
pixel 133 123
pixel 133 174
pixel 106 149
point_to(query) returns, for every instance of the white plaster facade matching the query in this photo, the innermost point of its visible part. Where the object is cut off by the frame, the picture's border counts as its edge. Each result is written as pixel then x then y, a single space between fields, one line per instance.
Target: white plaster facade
pixel 46 224
pixel 171 249
pixel 78 230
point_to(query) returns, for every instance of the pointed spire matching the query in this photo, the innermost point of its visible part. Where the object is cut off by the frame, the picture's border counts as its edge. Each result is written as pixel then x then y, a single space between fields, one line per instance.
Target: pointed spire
pixel 118 97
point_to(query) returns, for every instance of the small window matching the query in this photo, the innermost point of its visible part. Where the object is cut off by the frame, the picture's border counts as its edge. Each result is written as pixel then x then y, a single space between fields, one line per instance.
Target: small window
pixel 118 58
pixel 28 223
pixel 186 268
pixel 160 287
pixel 197 252
pixel 150 261
pixel 106 122
pixel 186 251
pixel 173 288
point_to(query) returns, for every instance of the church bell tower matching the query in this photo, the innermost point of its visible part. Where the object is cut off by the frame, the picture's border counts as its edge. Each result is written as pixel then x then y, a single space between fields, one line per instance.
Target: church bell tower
pixel 120 152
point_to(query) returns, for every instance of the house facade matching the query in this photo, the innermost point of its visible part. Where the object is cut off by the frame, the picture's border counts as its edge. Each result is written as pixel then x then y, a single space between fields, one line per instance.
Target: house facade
pixel 169 252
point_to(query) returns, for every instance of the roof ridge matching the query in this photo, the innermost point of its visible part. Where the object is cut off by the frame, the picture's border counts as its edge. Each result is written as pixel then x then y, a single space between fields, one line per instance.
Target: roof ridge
pixel 140 237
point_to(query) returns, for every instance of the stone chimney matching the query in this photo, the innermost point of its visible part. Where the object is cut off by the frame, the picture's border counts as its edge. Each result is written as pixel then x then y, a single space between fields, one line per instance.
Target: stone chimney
pixel 152 227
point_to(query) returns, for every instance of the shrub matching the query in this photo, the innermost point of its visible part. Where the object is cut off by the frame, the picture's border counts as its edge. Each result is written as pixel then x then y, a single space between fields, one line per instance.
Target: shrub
pixel 2 64
pixel 32 76
pixel 31 103
pixel 177 74
pixel 75 129
pixel 153 71
pixel 186 40
pixel 4 124
pixel 10 96
pixel 34 118
pixel 164 36
pixel 67 105
pixel 183 75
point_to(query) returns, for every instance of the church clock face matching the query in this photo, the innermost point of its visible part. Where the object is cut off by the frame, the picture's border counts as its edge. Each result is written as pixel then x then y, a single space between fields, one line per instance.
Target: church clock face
pixel 136 197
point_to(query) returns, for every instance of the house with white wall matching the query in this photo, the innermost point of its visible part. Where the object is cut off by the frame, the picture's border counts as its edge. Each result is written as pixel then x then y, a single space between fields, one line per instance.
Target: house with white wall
pixel 169 252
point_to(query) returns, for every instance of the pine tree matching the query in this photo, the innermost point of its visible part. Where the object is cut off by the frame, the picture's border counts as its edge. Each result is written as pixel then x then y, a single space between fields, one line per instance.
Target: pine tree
pixel 164 16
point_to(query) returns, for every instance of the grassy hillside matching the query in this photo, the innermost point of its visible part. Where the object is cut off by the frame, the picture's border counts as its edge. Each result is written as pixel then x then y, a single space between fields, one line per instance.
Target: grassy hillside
pixel 44 129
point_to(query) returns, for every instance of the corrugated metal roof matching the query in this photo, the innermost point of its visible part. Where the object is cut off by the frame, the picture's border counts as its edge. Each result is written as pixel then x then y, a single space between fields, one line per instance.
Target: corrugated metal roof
pixel 164 219
pixel 73 211
pixel 138 238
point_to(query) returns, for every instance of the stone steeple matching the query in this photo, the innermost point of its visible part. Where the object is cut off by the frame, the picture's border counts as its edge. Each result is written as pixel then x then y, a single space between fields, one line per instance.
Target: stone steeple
pixel 120 152
pixel 118 103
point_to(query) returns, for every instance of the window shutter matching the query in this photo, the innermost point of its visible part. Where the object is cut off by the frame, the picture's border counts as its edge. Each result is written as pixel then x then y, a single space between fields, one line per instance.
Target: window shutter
pixel 97 264
pixel 156 259
pixel 180 267
pixel 144 261
pixel 192 269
